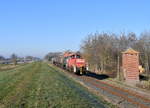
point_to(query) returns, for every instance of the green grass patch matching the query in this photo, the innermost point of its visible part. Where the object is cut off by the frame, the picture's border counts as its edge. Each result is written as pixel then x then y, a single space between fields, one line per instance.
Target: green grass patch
pixel 37 85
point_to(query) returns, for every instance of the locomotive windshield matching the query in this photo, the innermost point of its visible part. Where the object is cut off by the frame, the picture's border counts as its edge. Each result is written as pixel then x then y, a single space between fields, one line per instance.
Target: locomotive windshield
pixel 75 56
pixel 78 56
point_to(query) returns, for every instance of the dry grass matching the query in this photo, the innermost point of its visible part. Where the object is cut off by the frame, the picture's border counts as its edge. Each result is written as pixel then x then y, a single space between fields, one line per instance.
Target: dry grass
pixel 144 85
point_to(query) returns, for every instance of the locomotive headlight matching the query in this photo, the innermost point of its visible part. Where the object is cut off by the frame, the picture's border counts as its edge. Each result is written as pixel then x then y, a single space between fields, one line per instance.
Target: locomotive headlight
pixel 87 67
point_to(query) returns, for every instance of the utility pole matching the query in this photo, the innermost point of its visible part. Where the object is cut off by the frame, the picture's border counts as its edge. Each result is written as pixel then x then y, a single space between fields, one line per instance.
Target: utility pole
pixel 146 64
pixel 147 67
pixel 118 67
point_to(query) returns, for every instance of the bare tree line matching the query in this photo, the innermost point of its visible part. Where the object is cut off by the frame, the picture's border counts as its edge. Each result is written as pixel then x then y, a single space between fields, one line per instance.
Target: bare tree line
pixel 103 50
pixel 51 55
pixel 14 59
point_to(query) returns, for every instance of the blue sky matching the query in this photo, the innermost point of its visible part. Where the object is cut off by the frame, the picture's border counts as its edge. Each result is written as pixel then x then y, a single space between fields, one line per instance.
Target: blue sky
pixel 36 27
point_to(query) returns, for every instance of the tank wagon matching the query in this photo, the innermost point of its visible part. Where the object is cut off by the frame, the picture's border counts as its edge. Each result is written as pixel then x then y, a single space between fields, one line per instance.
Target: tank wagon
pixel 72 61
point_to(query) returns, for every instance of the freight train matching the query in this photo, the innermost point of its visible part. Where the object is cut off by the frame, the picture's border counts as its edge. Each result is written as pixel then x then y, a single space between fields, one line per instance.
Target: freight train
pixel 71 61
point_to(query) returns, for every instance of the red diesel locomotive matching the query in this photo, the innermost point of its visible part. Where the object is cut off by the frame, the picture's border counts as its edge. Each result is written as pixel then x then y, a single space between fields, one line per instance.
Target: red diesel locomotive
pixel 72 62
pixel 77 64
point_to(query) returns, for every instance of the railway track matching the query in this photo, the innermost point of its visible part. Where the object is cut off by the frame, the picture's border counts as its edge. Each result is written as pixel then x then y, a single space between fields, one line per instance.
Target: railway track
pixel 121 94
pixel 122 97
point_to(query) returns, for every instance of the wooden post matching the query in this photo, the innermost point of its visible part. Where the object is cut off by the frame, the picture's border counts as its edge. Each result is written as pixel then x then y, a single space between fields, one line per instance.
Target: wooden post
pixel 118 68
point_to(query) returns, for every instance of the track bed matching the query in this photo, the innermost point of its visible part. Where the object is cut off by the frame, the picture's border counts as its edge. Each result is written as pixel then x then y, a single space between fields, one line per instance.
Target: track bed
pixel 123 98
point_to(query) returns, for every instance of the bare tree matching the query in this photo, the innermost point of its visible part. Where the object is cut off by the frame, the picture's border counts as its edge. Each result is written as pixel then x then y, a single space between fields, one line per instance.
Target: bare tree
pixel 103 50
pixel 2 58
pixel 14 59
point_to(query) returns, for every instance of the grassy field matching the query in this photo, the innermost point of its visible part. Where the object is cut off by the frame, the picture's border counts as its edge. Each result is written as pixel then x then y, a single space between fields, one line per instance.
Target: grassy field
pixel 38 85
pixel 4 67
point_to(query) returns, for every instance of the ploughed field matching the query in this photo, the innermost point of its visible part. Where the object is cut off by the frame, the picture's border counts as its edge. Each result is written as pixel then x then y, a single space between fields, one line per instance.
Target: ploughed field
pixel 38 85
